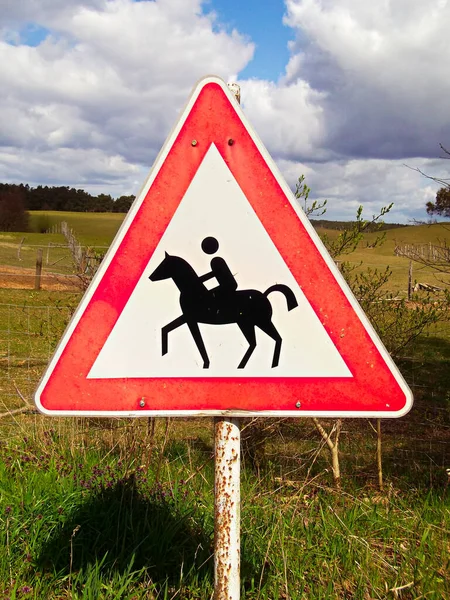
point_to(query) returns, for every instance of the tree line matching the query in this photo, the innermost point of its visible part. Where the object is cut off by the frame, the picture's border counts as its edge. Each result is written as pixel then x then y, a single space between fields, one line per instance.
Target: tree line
pixel 345 225
pixel 17 199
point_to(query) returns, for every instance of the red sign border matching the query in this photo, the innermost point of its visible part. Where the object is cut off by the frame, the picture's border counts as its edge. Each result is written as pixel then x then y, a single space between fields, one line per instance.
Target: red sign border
pixel 213 117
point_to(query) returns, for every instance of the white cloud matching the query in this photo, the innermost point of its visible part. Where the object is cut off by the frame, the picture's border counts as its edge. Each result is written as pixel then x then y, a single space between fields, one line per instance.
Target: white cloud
pixel 383 68
pixel 365 91
pixel 111 76
pixel 41 11
pixel 373 183
pixel 91 169
pixel 289 118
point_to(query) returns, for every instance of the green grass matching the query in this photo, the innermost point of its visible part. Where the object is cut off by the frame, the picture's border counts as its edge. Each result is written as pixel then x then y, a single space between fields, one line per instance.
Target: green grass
pixel 39 298
pixel 101 509
pixel 99 229
pixel 56 259
pixel 31 324
pixel 383 255
pixel 91 229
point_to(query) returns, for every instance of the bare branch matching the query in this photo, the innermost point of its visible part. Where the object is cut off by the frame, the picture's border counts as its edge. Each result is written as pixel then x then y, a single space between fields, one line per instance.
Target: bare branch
pixel 21 396
pixel 323 433
pixel 446 151
pixel 338 431
pixel 17 411
pixel 443 182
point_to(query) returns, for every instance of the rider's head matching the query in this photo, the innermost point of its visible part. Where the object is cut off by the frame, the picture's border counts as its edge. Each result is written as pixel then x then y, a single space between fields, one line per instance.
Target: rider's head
pixel 210 245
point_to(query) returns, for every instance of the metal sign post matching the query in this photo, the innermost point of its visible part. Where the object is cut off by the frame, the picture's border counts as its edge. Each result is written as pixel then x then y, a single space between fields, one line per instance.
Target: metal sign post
pixel 227 505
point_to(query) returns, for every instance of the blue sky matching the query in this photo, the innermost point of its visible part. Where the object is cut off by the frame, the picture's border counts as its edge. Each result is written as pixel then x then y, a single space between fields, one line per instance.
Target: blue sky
pixel 262 21
pixel 33 34
pixel 345 92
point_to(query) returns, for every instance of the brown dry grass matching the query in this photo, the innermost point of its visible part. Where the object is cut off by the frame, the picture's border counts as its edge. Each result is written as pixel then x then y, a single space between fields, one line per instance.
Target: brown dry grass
pixel 21 278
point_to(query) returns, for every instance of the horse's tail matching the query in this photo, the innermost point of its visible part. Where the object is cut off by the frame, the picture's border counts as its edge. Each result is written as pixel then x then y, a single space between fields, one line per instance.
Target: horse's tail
pixel 288 294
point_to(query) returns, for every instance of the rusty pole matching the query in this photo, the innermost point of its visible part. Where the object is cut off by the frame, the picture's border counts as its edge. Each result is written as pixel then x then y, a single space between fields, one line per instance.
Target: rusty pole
pixel 227 508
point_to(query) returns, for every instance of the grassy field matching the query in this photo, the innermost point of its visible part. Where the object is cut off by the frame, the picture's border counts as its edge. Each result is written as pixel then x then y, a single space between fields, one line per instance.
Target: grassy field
pixel 122 509
pixel 384 256
pixel 20 250
pixel 97 230
pixel 31 323
pixel 91 229
pixel 105 509
pixel 110 509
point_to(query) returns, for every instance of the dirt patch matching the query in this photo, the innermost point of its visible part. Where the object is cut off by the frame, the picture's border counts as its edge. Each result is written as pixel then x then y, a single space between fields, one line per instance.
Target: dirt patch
pixel 16 278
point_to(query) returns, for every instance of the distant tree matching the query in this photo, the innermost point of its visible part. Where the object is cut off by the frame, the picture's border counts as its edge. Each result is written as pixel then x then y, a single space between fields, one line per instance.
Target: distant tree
pixel 123 204
pixel 102 203
pixel 38 199
pixel 442 205
pixel 13 216
pixel 80 201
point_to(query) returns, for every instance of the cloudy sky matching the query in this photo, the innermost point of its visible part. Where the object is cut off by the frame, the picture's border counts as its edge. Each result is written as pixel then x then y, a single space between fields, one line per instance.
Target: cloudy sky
pixel 345 91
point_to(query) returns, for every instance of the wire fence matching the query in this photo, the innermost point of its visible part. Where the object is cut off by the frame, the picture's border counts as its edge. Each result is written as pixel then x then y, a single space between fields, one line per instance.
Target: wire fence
pixel 430 253
pixel 51 266
pixel 29 335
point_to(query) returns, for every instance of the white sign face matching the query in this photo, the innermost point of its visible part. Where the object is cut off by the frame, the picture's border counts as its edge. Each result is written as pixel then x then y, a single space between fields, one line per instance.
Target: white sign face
pixel 214 206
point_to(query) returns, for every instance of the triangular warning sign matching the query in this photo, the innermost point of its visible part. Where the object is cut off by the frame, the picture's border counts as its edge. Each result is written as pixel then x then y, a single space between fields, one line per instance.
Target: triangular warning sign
pixel 218 297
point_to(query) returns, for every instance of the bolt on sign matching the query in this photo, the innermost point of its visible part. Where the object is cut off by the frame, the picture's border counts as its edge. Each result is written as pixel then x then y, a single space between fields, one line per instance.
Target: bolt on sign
pixel 217 296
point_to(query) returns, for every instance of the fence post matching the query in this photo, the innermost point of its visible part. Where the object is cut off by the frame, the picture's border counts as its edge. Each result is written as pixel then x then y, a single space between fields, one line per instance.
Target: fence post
pixel 37 279
pixel 20 248
pixel 410 279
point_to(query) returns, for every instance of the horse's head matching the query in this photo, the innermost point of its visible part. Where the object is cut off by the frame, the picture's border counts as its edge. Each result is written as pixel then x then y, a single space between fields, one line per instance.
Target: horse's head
pixel 176 268
pixel 163 270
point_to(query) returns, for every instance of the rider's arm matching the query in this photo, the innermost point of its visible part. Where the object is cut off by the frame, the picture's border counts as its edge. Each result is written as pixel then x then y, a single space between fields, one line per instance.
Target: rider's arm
pixel 206 276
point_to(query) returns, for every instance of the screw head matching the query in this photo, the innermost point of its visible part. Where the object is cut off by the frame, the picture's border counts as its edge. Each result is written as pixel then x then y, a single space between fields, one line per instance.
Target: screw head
pixel 142 403
pixel 194 143
pixel 298 404
pixel 230 142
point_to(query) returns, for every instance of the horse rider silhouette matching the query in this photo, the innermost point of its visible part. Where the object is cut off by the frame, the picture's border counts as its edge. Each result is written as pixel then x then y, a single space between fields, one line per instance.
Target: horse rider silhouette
pixel 221 305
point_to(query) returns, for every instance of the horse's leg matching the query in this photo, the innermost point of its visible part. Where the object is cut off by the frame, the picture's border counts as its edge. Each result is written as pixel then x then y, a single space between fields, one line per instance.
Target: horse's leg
pixel 249 331
pixel 269 328
pixel 167 329
pixel 195 331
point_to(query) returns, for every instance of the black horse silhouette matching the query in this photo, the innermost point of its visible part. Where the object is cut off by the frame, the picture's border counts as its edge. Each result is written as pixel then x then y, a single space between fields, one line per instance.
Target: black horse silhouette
pixel 247 308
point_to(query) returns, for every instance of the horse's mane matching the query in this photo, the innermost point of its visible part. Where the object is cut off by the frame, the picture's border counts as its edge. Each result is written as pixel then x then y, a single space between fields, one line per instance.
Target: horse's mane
pixel 184 263
pixel 186 270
